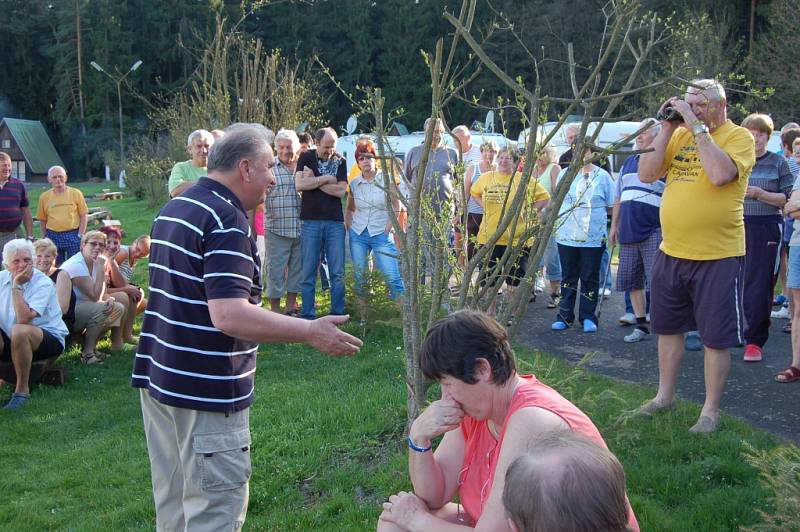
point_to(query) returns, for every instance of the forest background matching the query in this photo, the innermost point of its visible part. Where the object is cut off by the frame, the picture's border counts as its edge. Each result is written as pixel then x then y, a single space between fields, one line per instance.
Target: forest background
pixel 47 46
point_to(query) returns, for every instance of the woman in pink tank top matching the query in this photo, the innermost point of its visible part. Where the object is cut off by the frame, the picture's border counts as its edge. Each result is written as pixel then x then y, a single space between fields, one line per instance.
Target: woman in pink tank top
pixel 488 415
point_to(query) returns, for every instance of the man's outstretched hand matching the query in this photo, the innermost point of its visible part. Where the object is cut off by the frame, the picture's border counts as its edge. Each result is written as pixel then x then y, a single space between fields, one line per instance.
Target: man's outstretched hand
pixel 327 338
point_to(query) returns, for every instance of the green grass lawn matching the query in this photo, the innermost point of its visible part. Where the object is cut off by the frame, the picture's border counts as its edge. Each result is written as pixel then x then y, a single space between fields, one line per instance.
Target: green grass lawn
pixel 327 442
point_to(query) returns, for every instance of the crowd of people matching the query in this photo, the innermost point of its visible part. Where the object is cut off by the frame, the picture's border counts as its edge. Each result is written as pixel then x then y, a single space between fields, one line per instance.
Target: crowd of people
pixel 70 286
pixel 700 215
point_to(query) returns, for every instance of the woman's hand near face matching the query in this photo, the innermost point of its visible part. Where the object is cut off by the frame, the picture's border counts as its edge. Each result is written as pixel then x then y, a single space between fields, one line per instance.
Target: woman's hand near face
pixel 441 416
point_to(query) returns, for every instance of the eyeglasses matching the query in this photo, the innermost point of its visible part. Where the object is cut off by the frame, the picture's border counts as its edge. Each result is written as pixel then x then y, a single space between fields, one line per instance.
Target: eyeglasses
pixel 96 244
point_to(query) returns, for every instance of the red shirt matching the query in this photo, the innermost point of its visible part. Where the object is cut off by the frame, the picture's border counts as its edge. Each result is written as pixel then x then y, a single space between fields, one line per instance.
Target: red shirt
pixel 482 449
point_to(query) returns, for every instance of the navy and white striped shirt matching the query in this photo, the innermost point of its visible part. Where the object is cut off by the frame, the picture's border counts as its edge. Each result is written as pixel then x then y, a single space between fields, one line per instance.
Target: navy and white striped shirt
pixel 201 249
pixel 639 203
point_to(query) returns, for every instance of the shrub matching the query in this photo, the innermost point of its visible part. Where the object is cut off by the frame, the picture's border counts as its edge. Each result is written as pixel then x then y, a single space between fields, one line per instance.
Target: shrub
pixel 779 469
pixel 148 171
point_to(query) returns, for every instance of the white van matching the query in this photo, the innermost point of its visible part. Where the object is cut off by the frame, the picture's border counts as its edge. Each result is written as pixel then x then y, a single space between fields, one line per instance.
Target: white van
pixel 610 133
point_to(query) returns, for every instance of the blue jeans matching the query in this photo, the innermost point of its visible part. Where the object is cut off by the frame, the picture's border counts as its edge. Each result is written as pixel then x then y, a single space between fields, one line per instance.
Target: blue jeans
pixel 579 264
pixel 316 236
pixel 551 261
pixel 385 256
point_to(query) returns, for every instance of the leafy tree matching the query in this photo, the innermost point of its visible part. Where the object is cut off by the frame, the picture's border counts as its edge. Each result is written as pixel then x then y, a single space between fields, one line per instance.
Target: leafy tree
pixel 773 61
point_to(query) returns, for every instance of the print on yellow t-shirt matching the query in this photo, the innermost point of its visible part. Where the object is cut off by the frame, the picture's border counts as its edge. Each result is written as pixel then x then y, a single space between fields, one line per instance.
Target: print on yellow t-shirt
pixel 699 220
pixel 493 188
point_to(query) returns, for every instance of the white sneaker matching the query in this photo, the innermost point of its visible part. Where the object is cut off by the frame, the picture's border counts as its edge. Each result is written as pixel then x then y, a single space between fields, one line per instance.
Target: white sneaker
pixel 539 287
pixel 648 317
pixel 782 314
pixel 636 336
pixel 606 292
pixel 627 319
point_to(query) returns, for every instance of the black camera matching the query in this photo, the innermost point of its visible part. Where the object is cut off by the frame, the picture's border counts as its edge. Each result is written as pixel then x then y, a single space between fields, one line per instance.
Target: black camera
pixel 669 114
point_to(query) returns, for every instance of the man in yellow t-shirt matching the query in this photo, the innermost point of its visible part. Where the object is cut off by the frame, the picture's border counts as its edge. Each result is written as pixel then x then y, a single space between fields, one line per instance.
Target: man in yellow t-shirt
pixel 697 273
pixel 495 192
pixel 62 214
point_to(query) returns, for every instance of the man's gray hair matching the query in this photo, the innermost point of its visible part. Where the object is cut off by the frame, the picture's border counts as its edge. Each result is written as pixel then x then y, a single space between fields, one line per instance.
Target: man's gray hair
pixel 439 123
pixel 13 247
pixel 241 141
pixel 789 125
pixel 53 169
pixel 461 129
pixel 653 125
pixel 199 134
pixel 713 88
pixel 290 135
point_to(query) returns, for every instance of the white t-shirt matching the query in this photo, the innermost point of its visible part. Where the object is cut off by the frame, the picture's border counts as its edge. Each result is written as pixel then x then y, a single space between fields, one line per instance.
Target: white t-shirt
pixel 75 266
pixel 40 295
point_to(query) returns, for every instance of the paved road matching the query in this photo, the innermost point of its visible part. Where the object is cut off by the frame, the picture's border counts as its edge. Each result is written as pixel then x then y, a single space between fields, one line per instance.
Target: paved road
pixel 751 394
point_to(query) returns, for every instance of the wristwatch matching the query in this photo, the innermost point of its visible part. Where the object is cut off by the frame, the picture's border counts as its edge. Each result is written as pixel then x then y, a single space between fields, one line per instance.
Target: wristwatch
pixel 699 129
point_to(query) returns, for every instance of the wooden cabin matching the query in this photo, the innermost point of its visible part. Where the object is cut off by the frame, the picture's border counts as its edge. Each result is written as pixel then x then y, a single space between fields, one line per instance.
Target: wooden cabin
pixel 31 150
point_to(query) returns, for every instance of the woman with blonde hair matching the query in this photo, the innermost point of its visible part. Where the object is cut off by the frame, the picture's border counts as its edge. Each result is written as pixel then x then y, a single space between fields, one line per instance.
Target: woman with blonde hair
pixel 45 261
pixel 546 171
pixel 95 311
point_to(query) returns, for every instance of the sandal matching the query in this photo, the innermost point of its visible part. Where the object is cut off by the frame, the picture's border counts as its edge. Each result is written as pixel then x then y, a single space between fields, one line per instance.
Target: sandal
pixel 790 374
pixel 294 313
pixel 91 358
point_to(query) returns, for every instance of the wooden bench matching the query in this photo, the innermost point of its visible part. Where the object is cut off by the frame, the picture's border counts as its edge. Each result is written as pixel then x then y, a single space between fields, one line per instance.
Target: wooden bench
pixel 97 214
pixel 108 194
pixel 44 371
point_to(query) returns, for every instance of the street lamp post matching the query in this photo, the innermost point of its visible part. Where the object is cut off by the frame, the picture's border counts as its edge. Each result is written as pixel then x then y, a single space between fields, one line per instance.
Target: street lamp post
pixel 118 80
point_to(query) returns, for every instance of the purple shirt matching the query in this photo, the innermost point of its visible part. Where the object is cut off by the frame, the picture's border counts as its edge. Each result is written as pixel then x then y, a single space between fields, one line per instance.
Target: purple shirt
pixel 13 199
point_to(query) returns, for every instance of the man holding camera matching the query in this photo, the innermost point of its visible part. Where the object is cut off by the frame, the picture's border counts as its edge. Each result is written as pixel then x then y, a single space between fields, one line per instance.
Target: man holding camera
pixel 697 273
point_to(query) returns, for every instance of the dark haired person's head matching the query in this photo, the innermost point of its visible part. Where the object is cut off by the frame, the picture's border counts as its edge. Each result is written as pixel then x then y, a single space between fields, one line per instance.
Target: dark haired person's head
pixel 568 483
pixel 455 343
pixel 325 139
pixel 787 140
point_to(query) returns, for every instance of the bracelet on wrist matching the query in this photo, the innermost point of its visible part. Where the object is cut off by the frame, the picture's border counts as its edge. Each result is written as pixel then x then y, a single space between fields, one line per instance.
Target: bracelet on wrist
pixel 414 447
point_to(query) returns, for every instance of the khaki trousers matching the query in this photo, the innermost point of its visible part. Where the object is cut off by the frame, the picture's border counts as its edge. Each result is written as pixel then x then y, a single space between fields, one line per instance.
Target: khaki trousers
pixel 200 466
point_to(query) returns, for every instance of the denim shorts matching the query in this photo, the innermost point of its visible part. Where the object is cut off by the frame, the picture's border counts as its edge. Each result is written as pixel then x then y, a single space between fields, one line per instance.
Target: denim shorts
pixel 793 271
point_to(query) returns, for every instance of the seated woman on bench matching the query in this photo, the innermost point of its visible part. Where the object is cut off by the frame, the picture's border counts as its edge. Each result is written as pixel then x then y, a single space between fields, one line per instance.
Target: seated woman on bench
pixel 31 327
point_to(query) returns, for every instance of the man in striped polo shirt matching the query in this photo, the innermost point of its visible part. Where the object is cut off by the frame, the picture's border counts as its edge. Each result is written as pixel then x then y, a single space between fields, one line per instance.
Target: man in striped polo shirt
pixel 197 352
pixel 14 208
pixel 636 226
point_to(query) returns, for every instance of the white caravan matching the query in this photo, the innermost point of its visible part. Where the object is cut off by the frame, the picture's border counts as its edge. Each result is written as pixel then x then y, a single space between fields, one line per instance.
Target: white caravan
pixel 610 133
